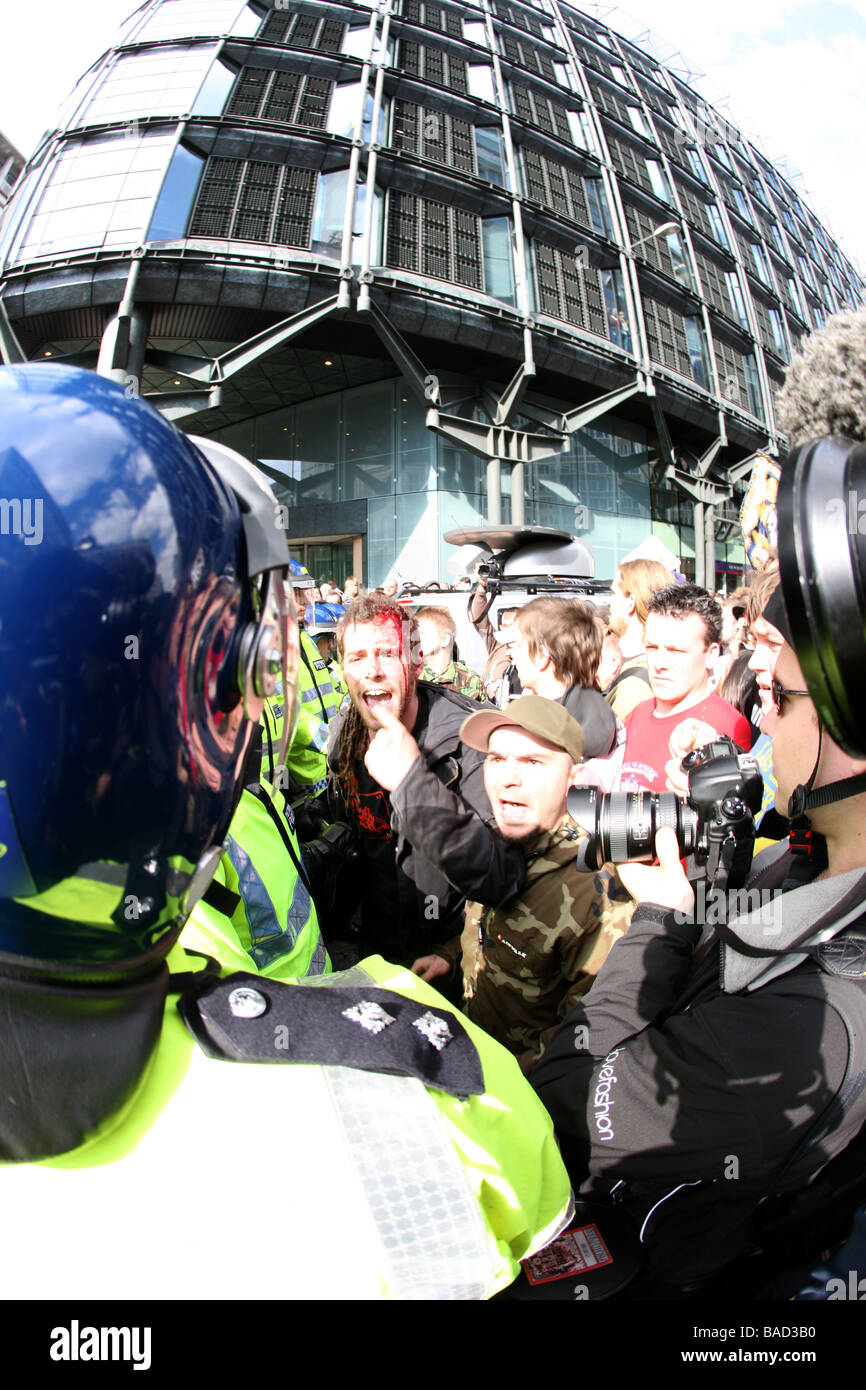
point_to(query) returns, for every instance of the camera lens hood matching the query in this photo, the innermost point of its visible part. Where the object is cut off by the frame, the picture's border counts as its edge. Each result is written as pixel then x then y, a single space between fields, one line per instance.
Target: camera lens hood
pixel 822 560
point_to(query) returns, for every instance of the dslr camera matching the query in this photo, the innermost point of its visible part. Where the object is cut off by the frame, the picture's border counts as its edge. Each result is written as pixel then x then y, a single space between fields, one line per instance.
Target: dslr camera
pixel 716 825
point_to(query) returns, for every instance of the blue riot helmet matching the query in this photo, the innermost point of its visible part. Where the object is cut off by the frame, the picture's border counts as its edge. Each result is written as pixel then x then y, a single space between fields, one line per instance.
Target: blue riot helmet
pixel 299 576
pixel 140 631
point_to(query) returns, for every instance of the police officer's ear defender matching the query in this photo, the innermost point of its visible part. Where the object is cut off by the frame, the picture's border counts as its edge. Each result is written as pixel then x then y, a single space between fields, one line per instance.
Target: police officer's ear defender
pixel 822 558
pixel 262 650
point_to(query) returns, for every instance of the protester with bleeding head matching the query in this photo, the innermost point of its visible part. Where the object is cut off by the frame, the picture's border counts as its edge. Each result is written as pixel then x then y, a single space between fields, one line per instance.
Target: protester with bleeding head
pixel 412 792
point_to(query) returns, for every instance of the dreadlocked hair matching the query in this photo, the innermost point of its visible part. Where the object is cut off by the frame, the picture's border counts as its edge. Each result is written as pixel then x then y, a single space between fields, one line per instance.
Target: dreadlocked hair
pixel 352 742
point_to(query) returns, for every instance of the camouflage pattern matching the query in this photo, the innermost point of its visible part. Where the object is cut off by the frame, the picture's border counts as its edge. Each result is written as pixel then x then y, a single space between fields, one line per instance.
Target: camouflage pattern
pixel 458 676
pixel 527 963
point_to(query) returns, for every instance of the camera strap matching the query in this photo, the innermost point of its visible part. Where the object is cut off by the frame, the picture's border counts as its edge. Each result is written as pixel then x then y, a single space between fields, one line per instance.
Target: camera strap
pixel 804 799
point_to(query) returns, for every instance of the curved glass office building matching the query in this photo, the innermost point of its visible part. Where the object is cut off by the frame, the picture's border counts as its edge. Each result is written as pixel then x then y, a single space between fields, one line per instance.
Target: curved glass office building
pixel 429 264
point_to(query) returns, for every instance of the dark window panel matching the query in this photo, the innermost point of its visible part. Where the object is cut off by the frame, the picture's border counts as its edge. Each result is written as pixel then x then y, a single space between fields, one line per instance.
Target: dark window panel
pixel 215 204
pixel 567 291
pixel 668 345
pixel 282 98
pixel 313 110
pixel 403 231
pixel 434 135
pixel 295 209
pixel 443 242
pixel 513 14
pixel 303 31
pixel 537 109
pixel 256 202
pixel 250 88
pixel 331 36
pixel 275 27
pixel 467 257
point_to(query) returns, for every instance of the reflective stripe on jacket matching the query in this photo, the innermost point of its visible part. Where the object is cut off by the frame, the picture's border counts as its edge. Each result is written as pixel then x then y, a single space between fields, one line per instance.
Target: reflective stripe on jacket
pixel 272 926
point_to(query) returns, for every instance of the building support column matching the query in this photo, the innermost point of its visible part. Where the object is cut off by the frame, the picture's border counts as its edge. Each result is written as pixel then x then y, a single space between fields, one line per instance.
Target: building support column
pixel 122 349
pixel 700 548
pixel 710 546
pixel 518 493
pixel 494 492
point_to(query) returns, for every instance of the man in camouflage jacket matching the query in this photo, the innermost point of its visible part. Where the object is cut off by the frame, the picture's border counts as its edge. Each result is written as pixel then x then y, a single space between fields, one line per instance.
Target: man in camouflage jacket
pixel 437 631
pixel 528 961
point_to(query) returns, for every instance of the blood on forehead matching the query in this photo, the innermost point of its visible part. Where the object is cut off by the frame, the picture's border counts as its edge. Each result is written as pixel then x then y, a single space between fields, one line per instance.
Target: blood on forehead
pixel 392 627
pixel 395 631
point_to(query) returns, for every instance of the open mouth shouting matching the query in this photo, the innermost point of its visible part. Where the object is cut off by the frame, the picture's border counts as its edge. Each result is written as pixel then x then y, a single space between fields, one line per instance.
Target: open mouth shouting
pixel 378 699
pixel 509 812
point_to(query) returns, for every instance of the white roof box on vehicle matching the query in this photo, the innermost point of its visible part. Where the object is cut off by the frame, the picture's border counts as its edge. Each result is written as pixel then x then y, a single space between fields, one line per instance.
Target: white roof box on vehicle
pixel 522 551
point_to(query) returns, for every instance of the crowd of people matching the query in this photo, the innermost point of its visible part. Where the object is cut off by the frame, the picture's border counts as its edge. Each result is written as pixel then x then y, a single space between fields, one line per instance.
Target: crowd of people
pixel 271 799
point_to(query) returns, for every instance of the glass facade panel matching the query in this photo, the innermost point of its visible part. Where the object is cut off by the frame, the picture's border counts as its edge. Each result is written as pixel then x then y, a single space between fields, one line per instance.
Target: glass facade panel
pixel 161 82
pixel 697 351
pixel 717 225
pixel 317 426
pixel 488 153
pixel 638 121
pixel 329 213
pixel 679 264
pixel 274 450
pixel 459 471
pixel 343 112
pixel 416 536
pixel 480 81
pixel 416 445
pixel 606 475
pixel 753 386
pixel 658 180
pixel 381 548
pixel 736 297
pixel 615 308
pixel 184 18
pixel 356 43
pixel 91 201
pixel 214 91
pixel 368 441
pixel 596 199
pixel 498 269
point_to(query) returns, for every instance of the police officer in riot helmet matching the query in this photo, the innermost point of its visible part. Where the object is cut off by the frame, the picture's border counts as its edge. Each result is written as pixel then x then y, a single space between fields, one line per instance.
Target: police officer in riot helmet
pixel 138 641
pixel 143 623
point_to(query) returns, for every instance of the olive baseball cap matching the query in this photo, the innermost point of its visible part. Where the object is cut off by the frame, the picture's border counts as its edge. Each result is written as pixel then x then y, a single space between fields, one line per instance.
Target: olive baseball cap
pixel 532 713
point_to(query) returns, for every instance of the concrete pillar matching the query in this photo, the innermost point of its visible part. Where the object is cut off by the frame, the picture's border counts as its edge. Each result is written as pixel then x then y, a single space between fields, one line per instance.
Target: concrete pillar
pixel 518 494
pixel 121 351
pixel 700 546
pixel 710 546
pixel 494 492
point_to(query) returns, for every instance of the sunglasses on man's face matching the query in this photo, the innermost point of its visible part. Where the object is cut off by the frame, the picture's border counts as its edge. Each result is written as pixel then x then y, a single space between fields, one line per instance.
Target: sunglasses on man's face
pixel 779 693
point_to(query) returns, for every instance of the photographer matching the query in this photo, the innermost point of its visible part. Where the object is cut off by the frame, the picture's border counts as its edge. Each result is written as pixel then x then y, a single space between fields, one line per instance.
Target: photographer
pixel 699 1082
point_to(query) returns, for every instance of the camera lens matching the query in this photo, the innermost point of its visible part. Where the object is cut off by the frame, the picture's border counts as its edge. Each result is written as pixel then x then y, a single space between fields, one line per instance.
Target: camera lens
pixel 623 825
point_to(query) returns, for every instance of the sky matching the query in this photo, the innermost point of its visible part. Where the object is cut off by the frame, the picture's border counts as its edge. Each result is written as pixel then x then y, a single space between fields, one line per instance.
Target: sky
pixel 788 73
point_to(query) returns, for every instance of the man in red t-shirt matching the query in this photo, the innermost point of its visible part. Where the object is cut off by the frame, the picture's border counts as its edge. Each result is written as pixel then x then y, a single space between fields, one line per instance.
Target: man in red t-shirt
pixel 683 630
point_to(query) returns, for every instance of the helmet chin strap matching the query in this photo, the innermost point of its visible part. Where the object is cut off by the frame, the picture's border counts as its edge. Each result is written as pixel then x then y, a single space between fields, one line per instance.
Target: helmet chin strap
pixel 804 798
